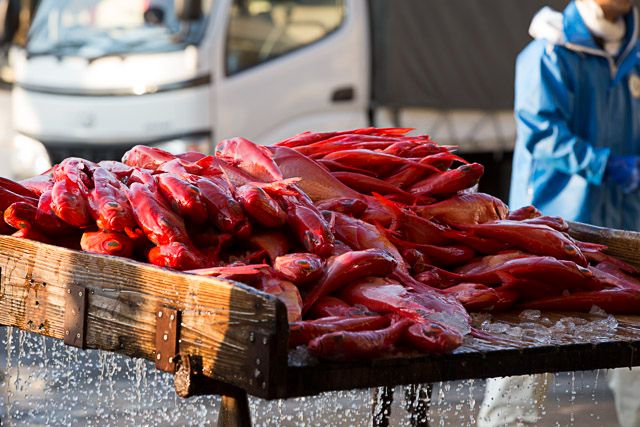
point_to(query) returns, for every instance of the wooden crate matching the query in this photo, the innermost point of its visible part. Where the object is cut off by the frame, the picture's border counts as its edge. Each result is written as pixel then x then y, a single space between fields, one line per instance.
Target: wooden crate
pixel 230 334
pixel 224 326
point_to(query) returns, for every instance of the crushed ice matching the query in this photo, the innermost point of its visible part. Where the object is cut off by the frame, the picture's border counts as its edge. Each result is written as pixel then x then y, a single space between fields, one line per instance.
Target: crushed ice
pixel 534 327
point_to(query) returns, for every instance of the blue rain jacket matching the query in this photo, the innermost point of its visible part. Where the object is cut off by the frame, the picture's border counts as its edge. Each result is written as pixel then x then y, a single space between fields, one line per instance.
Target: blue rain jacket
pixel 576 105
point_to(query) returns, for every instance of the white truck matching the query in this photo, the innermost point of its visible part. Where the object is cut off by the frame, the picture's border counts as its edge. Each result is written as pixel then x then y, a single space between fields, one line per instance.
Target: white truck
pixel 98 76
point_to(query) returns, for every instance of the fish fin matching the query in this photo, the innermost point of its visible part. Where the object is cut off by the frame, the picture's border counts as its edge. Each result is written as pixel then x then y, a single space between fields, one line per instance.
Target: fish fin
pixel 396 211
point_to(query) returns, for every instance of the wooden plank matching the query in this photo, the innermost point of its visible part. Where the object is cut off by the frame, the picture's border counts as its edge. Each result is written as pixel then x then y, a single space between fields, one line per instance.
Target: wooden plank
pixel 224 324
pixel 622 244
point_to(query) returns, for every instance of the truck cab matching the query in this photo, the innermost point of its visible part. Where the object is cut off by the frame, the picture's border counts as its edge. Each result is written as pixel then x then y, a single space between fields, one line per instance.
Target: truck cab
pixel 99 76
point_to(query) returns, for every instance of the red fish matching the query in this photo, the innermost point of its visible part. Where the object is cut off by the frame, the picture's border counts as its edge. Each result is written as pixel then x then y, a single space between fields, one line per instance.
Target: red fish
pixel 490 262
pixel 224 210
pixel 17 188
pixel 191 156
pixel 617 301
pixel 145 157
pixel 449 182
pixel 408 175
pixel 333 166
pixel 554 222
pixel 438 255
pixel 346 268
pixel 467 208
pixel 108 243
pixel 368 184
pixel 382 163
pixel 299 268
pixel 309 226
pixel 249 274
pixel 417 229
pixel 526 212
pixel 478 297
pixel 185 198
pixel 302 332
pixel 121 171
pixel 388 296
pixel 108 202
pixel 352 207
pixel 47 219
pixel 286 291
pixel 180 256
pixel 316 181
pixel 21 216
pixel 39 183
pixel 306 138
pixel 533 238
pixel 564 274
pixel 77 170
pixel 31 234
pixel 69 201
pixel 351 345
pixel 412 148
pixel 261 206
pixel 360 235
pixel 252 158
pixel 432 337
pixel 331 306
pixel 161 225
pixel 274 243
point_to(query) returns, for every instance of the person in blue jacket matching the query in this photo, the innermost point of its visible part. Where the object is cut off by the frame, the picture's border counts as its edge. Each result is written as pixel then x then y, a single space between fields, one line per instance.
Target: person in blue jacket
pixel 577 155
pixel 577 107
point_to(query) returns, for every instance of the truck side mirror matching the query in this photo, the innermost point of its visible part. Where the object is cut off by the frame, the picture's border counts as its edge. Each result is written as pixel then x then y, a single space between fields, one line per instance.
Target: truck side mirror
pixel 9 20
pixel 188 10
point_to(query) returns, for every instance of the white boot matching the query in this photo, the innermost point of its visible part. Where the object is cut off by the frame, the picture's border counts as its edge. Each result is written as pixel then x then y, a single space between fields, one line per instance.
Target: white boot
pixel 625 385
pixel 513 401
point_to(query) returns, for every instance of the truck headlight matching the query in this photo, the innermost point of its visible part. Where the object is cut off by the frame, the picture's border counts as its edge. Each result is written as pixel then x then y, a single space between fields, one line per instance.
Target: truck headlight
pixel 28 157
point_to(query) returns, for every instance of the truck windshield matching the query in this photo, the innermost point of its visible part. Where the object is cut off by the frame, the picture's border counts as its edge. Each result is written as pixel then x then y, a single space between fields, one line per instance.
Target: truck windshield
pixel 96 28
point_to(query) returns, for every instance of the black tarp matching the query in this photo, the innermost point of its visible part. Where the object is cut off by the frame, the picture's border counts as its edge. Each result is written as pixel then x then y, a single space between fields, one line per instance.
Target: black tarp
pixel 449 54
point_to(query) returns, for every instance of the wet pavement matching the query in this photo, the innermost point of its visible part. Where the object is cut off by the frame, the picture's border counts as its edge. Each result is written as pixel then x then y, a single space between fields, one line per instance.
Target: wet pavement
pixel 45 383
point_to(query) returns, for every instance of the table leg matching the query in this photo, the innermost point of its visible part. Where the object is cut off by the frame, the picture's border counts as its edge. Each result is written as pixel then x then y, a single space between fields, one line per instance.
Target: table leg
pixel 234 410
pixel 417 399
pixel 382 400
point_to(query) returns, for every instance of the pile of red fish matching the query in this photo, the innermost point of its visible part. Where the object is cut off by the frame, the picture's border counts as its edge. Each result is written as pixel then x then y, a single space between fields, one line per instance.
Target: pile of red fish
pixel 372 238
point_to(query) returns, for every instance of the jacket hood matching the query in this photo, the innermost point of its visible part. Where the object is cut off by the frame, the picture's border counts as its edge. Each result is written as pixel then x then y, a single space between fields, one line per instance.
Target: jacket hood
pixel 547 25
pixel 568 28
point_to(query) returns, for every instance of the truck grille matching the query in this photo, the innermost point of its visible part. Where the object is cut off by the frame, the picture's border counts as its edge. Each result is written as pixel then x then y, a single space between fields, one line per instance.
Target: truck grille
pixel 90 152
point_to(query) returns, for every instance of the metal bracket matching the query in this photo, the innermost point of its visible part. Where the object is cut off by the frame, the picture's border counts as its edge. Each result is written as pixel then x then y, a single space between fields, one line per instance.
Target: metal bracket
pixel 258 356
pixel 35 305
pixel 75 316
pixel 167 336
